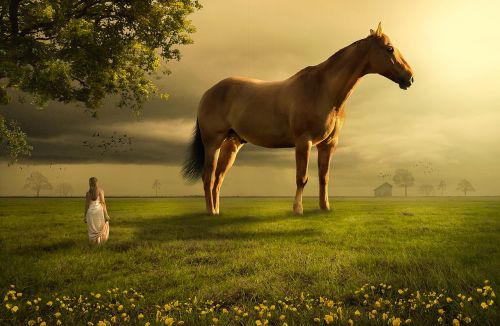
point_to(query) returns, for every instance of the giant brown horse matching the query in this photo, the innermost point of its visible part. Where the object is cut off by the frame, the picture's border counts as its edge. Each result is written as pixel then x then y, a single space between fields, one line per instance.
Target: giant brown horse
pixel 302 111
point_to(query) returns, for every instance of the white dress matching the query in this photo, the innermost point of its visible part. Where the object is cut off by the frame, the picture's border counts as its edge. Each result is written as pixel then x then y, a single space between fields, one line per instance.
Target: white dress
pixel 97 226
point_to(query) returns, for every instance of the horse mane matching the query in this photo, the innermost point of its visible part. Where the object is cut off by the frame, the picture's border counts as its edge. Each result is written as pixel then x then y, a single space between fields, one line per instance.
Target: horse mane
pixel 340 52
pixel 331 59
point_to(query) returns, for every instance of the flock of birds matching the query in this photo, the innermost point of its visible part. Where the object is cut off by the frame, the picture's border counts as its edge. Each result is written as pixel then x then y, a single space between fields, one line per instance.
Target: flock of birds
pixel 425 167
pixel 102 144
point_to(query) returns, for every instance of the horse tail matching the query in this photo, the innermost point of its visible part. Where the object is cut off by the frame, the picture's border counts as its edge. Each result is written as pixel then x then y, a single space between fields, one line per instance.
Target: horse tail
pixel 193 166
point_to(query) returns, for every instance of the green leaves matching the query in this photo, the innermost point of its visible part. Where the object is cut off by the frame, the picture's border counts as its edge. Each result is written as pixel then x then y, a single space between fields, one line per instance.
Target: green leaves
pixel 13 139
pixel 82 51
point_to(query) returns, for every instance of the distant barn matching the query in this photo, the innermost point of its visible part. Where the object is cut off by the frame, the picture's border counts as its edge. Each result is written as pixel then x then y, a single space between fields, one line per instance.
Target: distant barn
pixel 384 190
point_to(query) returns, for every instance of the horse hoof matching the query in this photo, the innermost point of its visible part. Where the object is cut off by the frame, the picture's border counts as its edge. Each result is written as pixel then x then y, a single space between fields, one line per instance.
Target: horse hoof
pixel 297 209
pixel 324 207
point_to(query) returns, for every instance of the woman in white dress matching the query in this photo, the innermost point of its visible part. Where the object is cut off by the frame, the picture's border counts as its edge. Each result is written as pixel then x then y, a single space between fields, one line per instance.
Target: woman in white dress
pixel 96 214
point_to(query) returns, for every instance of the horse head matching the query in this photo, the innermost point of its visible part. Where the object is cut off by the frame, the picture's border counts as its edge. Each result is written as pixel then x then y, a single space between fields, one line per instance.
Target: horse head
pixel 385 59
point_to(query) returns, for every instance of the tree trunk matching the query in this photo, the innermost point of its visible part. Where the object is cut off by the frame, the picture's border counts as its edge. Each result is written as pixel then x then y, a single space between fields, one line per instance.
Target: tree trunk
pixel 13 12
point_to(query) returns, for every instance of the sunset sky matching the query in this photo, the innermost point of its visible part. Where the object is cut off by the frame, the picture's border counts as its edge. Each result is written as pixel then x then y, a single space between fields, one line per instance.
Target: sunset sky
pixel 446 126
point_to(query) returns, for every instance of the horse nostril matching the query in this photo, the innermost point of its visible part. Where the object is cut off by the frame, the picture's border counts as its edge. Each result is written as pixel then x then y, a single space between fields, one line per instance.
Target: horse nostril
pixel 411 79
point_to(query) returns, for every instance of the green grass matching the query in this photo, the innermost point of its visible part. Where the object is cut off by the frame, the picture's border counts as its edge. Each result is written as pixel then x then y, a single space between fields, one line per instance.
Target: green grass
pixel 255 250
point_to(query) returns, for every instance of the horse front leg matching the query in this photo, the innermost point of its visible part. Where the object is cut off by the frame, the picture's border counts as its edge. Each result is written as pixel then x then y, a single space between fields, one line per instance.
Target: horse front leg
pixel 325 152
pixel 302 153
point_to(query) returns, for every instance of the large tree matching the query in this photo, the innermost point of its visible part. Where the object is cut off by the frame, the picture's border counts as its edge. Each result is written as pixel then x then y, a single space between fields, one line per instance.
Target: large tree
pixel 465 186
pixel 81 51
pixel 36 182
pixel 403 178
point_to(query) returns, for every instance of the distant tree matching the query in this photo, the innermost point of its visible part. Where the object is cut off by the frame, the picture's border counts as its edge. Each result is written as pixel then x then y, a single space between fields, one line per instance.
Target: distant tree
pixel 442 186
pixel 156 186
pixel 36 182
pixel 465 186
pixel 82 51
pixel 403 178
pixel 427 189
pixel 64 189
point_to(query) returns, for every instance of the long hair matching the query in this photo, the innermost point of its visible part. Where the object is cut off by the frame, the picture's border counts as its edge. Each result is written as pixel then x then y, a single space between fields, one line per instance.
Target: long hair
pixel 193 166
pixel 93 188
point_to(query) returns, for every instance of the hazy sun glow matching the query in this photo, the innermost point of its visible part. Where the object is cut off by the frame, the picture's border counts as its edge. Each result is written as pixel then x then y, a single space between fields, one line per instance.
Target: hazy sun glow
pixel 448 118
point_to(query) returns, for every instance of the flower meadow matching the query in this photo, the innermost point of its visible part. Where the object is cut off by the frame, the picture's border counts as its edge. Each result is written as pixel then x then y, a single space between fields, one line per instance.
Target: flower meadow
pixel 370 304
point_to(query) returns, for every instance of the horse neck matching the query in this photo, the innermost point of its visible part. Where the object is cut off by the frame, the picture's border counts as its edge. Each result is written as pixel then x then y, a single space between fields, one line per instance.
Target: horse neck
pixel 342 71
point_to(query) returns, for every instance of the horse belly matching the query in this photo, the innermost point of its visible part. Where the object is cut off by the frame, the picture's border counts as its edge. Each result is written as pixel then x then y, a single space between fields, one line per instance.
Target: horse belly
pixel 262 125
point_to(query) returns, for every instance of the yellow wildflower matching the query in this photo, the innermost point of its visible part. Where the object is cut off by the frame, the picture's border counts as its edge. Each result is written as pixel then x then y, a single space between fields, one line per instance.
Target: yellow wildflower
pixel 282 317
pixel 456 322
pixel 479 290
pixel 273 307
pixel 101 323
pixel 440 320
pixel 57 314
pixel 350 322
pixel 441 311
pixel 484 305
pixel 468 320
pixel 357 313
pixel 385 316
pixel 258 322
pixel 448 299
pixel 14 309
pixel 120 307
pixel 225 311
pixel 147 324
pixel 49 303
pixel 328 319
pixel 140 316
pixel 43 323
pixel 396 322
pixel 169 321
pixel 58 323
pixel 31 322
pixel 490 302
pixel 317 320
pixel 113 319
pixel 408 321
pixel 215 320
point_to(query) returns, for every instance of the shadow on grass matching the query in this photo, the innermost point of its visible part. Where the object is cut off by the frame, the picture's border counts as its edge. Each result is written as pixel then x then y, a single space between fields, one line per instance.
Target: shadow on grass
pixel 206 227
pixel 45 248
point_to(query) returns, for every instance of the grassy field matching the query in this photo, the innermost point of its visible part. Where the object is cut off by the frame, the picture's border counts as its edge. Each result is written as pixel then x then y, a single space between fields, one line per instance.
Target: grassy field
pixel 256 250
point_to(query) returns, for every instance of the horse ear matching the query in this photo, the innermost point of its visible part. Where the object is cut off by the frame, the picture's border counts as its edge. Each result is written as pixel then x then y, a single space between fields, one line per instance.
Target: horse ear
pixel 379 29
pixel 372 31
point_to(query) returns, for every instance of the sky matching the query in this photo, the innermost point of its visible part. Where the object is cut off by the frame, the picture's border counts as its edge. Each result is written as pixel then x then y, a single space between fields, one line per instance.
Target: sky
pixel 444 127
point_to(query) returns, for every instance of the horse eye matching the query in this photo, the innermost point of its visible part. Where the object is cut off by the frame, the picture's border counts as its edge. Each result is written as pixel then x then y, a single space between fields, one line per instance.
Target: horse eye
pixel 390 49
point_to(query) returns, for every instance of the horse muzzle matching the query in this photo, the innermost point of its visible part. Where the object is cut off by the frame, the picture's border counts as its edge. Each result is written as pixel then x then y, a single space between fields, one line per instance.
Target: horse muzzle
pixel 405 84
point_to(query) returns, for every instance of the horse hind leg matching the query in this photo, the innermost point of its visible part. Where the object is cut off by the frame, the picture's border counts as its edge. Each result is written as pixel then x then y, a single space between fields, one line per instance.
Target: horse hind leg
pixel 212 148
pixel 302 153
pixel 227 155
